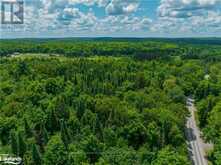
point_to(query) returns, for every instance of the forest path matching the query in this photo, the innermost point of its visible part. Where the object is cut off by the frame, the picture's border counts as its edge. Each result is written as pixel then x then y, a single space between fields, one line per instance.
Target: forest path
pixel 195 143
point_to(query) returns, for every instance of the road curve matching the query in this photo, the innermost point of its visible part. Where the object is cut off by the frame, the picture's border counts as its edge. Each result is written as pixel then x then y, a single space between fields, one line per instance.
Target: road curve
pixel 195 143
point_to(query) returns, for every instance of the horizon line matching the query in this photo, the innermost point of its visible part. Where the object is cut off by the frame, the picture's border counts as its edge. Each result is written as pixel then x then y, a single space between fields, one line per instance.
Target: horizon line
pixel 203 37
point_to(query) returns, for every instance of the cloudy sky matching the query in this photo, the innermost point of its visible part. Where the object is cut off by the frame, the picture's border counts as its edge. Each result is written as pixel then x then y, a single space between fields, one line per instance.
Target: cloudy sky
pixel 117 18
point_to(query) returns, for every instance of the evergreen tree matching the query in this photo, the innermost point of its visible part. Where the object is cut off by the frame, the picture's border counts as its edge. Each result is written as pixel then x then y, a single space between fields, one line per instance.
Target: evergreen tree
pixel 22 68
pixel 36 156
pixel 53 124
pixel 21 145
pixel 14 144
pixel 55 152
pixel 75 80
pixel 28 130
pixel 45 135
pixel 42 137
pixel 65 137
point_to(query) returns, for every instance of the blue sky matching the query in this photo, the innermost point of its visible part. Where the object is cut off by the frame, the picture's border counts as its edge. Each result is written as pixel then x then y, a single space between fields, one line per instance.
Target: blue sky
pixel 117 18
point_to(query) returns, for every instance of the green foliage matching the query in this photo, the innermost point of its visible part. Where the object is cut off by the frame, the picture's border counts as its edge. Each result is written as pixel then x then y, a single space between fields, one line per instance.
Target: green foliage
pixel 76 155
pixel 213 128
pixel 45 135
pixel 119 156
pixel 7 124
pixel 209 109
pixel 65 136
pixel 100 110
pixel 93 148
pixel 52 121
pixel 135 133
pixel 204 108
pixel 14 143
pixel 36 156
pixel 169 157
pixel 28 130
pixel 55 152
pixel 217 153
pixel 21 145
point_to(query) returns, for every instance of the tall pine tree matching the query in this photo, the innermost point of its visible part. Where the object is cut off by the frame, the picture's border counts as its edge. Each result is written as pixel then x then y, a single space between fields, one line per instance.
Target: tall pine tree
pixel 28 130
pixel 42 137
pixel 65 136
pixel 53 123
pixel 45 135
pixel 21 145
pixel 36 156
pixel 14 144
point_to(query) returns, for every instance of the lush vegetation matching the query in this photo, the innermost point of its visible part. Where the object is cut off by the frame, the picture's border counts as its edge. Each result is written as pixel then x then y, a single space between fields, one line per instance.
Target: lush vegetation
pixel 209 109
pixel 138 48
pixel 110 108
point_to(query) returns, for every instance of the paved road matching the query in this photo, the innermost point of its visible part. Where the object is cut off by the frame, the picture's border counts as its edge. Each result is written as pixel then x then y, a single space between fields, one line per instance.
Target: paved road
pixel 195 143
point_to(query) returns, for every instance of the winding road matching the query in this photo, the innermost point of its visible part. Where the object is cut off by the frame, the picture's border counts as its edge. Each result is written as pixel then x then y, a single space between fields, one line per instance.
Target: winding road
pixel 195 143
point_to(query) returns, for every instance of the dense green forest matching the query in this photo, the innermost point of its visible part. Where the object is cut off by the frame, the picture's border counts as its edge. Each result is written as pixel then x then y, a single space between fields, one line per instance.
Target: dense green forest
pixel 208 49
pixel 106 102
pixel 209 109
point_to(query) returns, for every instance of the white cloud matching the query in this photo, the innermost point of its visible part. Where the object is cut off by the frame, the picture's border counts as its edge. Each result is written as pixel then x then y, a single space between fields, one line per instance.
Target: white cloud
pixel 112 7
pixel 186 8
pixel 123 23
pixel 188 17
pixel 118 7
pixel 100 3
pixel 198 24
pixel 64 14
pixel 174 17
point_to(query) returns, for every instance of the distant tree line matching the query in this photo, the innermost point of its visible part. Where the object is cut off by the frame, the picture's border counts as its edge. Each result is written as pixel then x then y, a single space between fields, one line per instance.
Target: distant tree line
pixel 139 50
